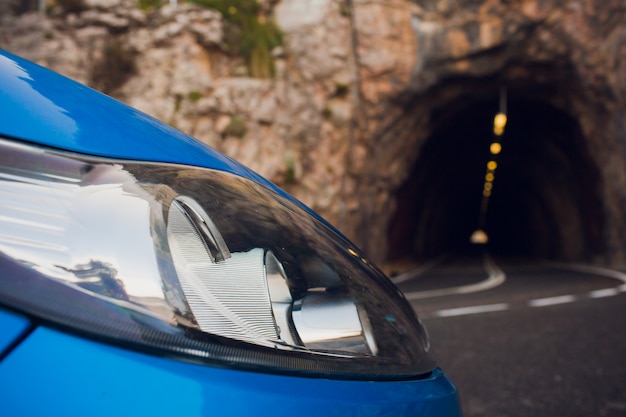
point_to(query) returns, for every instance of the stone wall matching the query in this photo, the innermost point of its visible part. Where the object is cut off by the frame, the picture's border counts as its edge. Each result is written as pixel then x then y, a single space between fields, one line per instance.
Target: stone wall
pixel 358 81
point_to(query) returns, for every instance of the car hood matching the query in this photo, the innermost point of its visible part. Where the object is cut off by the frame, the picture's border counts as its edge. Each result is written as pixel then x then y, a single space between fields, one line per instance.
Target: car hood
pixel 46 108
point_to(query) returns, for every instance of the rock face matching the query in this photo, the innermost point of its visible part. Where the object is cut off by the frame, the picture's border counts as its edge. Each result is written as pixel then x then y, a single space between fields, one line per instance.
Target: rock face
pixel 361 91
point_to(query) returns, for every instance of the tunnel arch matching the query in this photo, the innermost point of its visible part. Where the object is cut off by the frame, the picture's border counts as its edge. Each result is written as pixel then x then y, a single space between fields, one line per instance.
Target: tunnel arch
pixel 546 201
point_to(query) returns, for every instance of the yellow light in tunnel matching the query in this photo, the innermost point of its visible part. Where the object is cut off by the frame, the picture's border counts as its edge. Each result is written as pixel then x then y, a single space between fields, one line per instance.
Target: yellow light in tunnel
pixel 486 193
pixel 488 186
pixel 489 177
pixel 492 165
pixel 499 122
pixel 495 148
pixel 479 237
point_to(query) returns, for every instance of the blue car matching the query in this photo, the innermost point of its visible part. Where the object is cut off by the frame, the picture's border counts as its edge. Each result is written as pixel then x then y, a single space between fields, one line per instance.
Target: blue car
pixel 145 274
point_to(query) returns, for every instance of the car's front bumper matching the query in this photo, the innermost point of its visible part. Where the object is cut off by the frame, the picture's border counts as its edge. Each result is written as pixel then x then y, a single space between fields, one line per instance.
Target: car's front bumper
pixel 55 374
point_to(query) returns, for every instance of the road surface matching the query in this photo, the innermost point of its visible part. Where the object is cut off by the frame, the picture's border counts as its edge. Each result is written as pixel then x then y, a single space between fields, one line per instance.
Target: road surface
pixel 525 339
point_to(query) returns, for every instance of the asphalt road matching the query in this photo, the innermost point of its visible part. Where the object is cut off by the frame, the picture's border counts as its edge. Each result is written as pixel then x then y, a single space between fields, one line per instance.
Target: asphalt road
pixel 522 339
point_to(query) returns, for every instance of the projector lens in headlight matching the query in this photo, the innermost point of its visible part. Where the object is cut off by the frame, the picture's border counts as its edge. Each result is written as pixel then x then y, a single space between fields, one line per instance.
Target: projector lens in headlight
pixel 195 263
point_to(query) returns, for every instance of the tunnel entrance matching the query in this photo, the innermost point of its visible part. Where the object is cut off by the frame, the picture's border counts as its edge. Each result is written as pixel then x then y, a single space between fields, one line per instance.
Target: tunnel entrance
pixel 545 201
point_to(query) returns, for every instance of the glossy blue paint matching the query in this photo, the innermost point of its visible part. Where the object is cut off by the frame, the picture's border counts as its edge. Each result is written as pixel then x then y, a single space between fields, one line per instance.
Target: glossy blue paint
pixel 49 109
pixel 55 374
pixel 12 326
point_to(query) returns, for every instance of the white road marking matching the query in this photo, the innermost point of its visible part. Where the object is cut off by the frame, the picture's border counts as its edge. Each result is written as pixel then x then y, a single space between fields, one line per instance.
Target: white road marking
pixel 463 311
pixel 551 301
pixel 610 273
pixel 607 292
pixel 495 277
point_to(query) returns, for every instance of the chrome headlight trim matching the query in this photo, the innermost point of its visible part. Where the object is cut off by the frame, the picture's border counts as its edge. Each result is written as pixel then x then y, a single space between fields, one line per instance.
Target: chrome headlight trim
pixel 199 264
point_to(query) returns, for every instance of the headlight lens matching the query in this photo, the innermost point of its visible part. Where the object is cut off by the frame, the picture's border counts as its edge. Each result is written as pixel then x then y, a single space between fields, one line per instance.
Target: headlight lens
pixel 196 263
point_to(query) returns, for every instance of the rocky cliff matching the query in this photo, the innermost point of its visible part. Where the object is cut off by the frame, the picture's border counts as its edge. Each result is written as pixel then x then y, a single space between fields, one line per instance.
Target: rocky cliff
pixel 358 90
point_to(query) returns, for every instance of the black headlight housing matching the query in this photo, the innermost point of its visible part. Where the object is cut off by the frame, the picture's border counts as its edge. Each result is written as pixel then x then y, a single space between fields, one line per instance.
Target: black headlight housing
pixel 197 264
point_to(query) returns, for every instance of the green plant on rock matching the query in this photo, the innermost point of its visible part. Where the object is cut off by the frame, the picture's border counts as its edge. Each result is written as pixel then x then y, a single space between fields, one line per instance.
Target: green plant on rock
pixel 178 102
pixel 237 127
pixel 289 177
pixel 146 5
pixel 254 37
pixel 194 96
pixel 257 45
pixel 341 90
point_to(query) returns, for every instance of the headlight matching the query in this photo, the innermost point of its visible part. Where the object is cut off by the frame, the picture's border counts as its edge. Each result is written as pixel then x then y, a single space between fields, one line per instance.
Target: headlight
pixel 197 264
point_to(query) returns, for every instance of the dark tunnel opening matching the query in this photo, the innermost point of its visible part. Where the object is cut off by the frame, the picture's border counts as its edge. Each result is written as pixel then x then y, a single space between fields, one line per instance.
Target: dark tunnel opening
pixel 545 200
